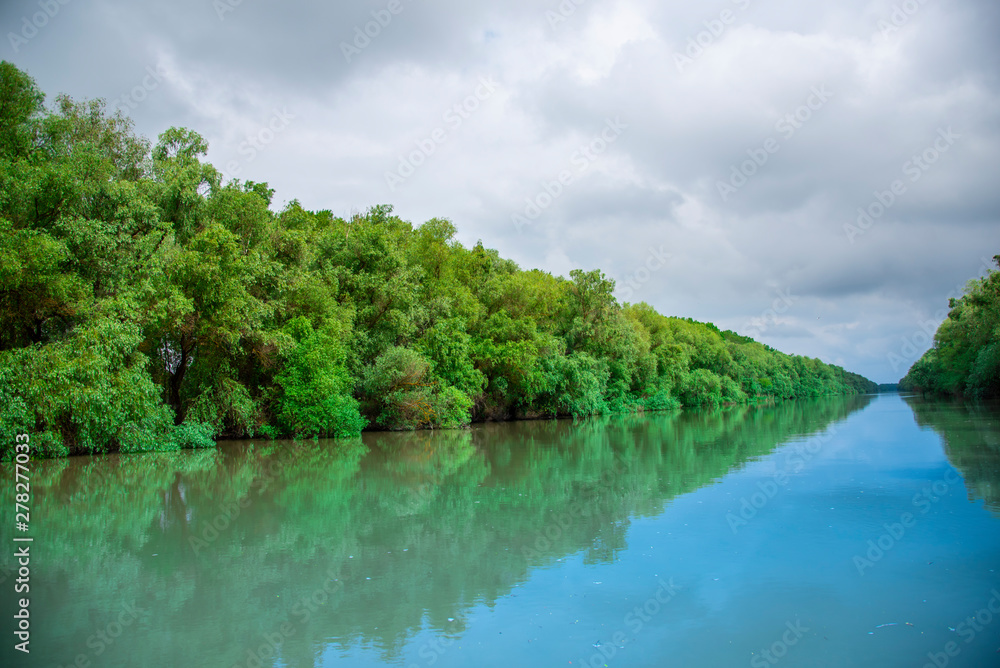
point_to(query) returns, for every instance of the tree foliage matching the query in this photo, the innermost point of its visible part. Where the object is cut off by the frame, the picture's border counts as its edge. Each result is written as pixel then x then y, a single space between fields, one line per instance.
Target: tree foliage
pixel 147 304
pixel 965 358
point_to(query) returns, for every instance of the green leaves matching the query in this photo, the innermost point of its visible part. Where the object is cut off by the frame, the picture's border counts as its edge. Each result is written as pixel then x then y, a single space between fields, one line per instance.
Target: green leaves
pixel 401 391
pixel 144 304
pixel 21 104
pixel 315 386
pixel 576 384
pixel 449 348
pixel 965 359
pixel 90 392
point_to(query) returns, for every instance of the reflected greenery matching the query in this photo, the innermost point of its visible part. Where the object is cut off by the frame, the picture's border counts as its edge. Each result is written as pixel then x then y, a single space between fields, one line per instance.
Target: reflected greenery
pixel 405 531
pixel 971 434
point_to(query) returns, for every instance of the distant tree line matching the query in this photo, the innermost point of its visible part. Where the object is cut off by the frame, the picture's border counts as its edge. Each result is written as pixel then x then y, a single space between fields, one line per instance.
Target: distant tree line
pixel 146 304
pixel 965 358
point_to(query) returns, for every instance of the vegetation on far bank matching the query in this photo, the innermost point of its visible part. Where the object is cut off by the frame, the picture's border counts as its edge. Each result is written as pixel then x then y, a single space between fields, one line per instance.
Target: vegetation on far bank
pixel 965 358
pixel 146 304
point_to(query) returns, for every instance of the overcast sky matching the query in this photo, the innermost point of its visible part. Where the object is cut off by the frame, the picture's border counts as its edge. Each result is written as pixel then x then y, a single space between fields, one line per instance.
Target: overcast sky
pixel 710 157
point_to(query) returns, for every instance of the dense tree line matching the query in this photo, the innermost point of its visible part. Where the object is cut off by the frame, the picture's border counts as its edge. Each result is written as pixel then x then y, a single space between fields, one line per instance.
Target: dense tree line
pixel 965 358
pixel 148 304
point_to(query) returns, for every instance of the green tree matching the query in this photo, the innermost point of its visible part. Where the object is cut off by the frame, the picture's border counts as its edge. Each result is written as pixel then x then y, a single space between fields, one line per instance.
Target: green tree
pixel 316 397
pixel 965 358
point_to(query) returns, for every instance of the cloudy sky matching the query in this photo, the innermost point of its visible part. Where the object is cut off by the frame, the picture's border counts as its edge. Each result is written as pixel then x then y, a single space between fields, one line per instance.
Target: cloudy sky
pixel 821 176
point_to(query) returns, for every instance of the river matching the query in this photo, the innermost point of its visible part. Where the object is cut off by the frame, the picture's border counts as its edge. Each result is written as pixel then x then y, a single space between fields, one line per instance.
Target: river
pixel 844 531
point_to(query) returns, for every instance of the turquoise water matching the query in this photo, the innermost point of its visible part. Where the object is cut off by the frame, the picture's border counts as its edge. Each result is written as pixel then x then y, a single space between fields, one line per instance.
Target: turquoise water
pixel 858 531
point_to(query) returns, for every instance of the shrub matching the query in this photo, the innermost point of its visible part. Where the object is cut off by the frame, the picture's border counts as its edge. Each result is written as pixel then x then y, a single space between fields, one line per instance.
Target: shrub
pixel 701 388
pixel 401 392
pixel 316 388
pixel 89 392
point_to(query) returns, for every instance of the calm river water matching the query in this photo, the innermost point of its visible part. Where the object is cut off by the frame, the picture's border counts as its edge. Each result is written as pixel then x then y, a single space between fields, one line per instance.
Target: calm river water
pixel 860 531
